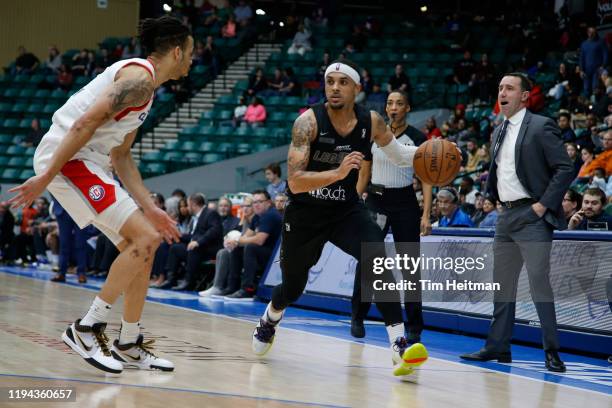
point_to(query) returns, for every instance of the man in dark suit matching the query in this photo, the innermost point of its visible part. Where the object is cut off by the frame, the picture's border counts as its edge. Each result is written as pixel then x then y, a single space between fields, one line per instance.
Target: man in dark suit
pixel 530 173
pixel 201 244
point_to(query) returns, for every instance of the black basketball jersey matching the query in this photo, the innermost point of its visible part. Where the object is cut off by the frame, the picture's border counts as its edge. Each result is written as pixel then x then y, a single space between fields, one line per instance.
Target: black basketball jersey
pixel 327 152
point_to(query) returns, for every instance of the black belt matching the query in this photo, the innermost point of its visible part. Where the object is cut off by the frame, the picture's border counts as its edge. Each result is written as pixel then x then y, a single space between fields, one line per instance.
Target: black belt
pixel 518 203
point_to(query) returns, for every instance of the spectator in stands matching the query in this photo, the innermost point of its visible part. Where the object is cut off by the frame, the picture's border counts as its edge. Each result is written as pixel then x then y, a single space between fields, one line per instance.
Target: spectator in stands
pixel 26 62
pixel 366 86
pixel 479 213
pixel 431 129
pixel 291 85
pixel 467 189
pixel 280 202
pixel 488 208
pixel 587 156
pixel 464 69
pixel 72 243
pixel 301 42
pixel 79 63
pixel 211 55
pixel 564 121
pixel 201 244
pixel 229 28
pixel 104 256
pixel 228 221
pixel 239 112
pixel 24 240
pixel 64 78
pixel 159 200
pixel 222 260
pixel 483 79
pixel 593 58
pixel 131 50
pixel 212 206
pixel 102 62
pixel 348 50
pixel 399 80
pixel 276 183
pixel 198 53
pixel 603 159
pixel 358 39
pixel 183 219
pixel 243 13
pixel 54 60
pixel 275 84
pixel 257 83
pixel 586 136
pixel 377 99
pixel 472 156
pixel 258 242
pixel 7 235
pixel 34 135
pixel 592 215
pixel 451 214
pixel 172 202
pixel 572 203
pixel 255 115
pixel 484 159
pixel 562 88
pixel 322 66
pixel 319 19
pixel 572 152
pixel 598 180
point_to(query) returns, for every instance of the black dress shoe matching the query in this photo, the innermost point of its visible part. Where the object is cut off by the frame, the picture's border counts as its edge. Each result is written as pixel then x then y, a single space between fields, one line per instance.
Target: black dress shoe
pixel 484 355
pixel 553 362
pixel 357 328
pixel 183 286
pixel 59 277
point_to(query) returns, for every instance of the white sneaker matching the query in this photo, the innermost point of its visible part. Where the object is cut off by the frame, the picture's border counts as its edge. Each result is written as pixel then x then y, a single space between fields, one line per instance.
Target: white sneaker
pixel 263 337
pixel 212 291
pixel 139 355
pixel 92 344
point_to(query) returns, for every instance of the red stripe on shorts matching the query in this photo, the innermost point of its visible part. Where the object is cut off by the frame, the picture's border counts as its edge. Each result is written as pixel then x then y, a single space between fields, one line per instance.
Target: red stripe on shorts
pixel 99 194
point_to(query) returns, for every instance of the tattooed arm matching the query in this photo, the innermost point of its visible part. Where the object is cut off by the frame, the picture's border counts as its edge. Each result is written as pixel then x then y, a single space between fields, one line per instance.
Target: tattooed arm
pixel 299 180
pixel 133 86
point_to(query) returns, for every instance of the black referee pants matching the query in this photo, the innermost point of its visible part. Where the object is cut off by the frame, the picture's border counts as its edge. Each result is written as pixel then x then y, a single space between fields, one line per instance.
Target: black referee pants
pixel 401 207
pixel 306 229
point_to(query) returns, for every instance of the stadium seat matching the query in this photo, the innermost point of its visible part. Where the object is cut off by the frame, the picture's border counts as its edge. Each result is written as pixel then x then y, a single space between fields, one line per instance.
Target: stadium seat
pixel 152 156
pixel 15 150
pixel 26 174
pixel 10 174
pixel 16 162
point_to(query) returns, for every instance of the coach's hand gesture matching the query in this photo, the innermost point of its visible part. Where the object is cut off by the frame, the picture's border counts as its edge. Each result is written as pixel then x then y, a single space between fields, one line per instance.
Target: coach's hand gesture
pixel 352 161
pixel 28 191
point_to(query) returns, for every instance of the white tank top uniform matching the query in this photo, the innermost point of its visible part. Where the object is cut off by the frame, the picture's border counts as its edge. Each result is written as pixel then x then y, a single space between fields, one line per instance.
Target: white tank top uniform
pixel 388 174
pixel 85 187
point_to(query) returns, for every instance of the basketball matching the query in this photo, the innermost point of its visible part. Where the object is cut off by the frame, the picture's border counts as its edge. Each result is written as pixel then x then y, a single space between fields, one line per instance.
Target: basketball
pixel 437 162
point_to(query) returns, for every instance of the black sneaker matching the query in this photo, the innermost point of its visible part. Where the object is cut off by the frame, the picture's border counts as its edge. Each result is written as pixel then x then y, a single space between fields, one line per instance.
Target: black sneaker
pixel 357 328
pixel 240 295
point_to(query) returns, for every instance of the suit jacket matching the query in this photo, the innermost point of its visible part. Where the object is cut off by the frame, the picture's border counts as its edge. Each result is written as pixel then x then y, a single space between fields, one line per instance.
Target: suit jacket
pixel 542 165
pixel 209 230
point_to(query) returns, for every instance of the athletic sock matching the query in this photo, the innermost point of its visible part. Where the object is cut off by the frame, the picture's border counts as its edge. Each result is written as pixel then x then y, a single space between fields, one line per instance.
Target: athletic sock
pixel 129 332
pixel 97 313
pixel 394 331
pixel 270 316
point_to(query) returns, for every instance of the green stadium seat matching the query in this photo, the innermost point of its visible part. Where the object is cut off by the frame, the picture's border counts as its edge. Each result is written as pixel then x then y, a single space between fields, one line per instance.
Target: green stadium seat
pixel 11 125
pixel 11 93
pixel 6 139
pixel 16 162
pixel 26 174
pixel 152 156
pixel 224 132
pixel 243 148
pixel 156 168
pixel 189 146
pixel 58 95
pixel 193 157
pixel 275 101
pixel 225 147
pixel 18 109
pixel 226 100
pixel 188 132
pixel 244 131
pixel 206 147
pixel 29 151
pixel 207 117
pixel 211 158
pixel 15 150
pixel 223 115
pixel 172 156
pixel 25 124
pixel 260 147
pixel 4 161
pixel 10 174
pixel 34 109
pixel 50 108
pixel 173 145
pixel 45 124
pixel 206 131
pixel 26 95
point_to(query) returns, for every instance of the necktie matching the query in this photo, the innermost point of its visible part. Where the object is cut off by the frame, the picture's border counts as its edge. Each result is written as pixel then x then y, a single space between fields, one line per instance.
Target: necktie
pixel 194 221
pixel 500 139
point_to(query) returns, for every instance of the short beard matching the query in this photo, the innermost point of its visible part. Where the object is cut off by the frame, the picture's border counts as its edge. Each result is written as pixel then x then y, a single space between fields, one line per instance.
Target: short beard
pixel 337 106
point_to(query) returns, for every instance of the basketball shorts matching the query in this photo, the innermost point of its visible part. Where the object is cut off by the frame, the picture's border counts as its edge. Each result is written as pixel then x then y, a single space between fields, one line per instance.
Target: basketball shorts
pixel 89 193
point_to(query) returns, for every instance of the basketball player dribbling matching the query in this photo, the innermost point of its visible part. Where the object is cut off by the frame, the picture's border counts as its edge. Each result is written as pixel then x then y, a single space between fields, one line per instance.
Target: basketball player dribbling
pixel 93 130
pixel 329 143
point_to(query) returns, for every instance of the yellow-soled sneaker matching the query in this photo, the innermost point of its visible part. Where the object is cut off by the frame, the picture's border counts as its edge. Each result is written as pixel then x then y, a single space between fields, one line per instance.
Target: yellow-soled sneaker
pixel 406 357
pixel 263 337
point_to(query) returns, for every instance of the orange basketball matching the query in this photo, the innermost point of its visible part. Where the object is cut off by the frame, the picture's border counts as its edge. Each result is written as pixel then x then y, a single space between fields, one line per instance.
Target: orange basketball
pixel 437 162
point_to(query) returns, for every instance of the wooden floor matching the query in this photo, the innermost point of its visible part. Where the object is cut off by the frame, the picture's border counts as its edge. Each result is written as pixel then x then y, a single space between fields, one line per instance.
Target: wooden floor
pixel 215 368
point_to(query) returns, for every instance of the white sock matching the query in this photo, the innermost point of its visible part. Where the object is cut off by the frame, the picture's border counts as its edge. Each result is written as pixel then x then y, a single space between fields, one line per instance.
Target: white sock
pixel 129 332
pixel 394 331
pixel 97 313
pixel 270 316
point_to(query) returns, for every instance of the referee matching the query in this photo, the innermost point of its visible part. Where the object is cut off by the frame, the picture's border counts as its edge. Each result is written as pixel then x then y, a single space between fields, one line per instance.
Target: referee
pixel 392 197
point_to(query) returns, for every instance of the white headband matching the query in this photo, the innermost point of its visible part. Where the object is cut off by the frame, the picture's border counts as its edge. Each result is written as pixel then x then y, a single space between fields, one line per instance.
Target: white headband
pixel 343 69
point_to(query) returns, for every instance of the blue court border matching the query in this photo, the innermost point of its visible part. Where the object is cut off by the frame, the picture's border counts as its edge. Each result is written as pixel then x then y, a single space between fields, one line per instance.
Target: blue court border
pixel 443 346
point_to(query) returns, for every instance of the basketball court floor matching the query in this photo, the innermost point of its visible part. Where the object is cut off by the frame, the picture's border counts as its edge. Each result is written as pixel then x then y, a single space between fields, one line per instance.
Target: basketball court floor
pixel 314 361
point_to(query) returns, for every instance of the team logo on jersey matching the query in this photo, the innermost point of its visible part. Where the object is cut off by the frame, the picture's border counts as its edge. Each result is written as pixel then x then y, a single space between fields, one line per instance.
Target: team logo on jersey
pixel 96 192
pixel 363 132
pixel 142 116
pixel 326 193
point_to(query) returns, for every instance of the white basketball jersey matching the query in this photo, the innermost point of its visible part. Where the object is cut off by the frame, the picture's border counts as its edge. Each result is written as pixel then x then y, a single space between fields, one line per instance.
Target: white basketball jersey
pixel 112 133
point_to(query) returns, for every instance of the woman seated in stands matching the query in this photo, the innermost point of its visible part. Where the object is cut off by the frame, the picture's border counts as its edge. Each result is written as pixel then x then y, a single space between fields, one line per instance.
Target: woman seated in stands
pixel 255 115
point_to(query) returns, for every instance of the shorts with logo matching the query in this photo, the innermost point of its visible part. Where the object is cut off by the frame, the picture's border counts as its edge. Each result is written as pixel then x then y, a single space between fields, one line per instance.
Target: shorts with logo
pixel 89 193
pixel 306 229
